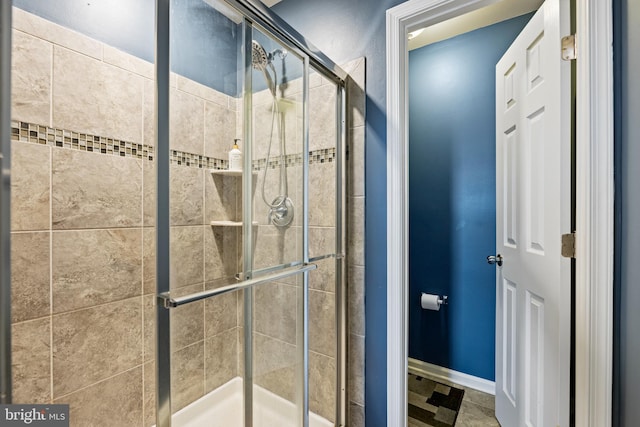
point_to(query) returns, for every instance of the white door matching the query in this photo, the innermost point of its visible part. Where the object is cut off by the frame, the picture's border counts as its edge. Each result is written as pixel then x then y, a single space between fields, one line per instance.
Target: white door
pixel 533 210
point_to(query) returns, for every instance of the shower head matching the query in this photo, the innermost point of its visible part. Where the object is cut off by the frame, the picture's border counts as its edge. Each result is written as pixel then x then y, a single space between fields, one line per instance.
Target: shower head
pixel 259 57
pixel 260 60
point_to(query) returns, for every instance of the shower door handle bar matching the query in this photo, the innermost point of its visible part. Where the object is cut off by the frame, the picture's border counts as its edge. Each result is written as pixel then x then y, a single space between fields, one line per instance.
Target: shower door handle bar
pixel 289 265
pixel 168 302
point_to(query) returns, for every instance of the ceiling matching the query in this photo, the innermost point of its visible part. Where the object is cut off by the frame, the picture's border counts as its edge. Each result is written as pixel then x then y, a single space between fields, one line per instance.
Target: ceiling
pixel 483 17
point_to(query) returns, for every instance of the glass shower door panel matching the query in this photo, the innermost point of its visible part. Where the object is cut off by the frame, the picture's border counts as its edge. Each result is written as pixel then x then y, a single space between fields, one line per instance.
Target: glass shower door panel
pixel 322 196
pixel 277 152
pixel 277 353
pixel 205 214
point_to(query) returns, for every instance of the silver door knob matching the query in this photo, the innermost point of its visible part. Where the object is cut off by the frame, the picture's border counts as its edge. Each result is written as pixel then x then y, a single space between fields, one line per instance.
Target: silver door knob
pixel 495 259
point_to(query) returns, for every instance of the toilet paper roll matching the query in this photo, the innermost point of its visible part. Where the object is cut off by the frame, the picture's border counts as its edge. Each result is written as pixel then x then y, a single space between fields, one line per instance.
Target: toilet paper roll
pixel 430 302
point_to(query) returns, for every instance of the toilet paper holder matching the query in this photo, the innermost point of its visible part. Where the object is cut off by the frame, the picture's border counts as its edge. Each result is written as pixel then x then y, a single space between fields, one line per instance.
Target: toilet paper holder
pixel 433 301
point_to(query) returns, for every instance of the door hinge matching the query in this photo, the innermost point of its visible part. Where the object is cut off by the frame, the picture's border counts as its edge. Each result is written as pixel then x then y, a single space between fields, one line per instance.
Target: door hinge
pixel 569 47
pixel 569 245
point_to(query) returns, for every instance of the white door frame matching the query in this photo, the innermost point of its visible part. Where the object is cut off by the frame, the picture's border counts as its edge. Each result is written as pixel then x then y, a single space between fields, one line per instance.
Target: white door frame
pixel 594 202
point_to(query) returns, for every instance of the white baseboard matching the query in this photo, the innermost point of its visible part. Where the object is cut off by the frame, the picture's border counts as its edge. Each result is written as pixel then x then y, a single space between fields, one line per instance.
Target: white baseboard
pixel 421 368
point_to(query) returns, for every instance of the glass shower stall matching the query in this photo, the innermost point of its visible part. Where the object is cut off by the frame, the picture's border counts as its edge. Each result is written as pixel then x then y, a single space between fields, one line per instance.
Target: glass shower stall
pixel 196 254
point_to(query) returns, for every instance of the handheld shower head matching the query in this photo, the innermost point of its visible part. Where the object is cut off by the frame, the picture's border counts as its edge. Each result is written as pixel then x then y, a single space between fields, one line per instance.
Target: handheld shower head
pixel 260 60
pixel 259 57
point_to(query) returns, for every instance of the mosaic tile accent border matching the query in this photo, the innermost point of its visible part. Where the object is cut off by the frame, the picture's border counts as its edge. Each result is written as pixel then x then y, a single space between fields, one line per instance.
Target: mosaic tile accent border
pixel 325 155
pixel 197 160
pixel 45 135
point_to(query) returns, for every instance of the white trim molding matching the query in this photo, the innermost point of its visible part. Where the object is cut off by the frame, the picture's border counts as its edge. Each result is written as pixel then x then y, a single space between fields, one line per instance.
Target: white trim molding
pixel 594 194
pixel 594 217
pixel 418 367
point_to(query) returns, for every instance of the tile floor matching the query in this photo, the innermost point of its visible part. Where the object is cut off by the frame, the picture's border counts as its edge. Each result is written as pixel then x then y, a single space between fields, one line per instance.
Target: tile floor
pixel 477 409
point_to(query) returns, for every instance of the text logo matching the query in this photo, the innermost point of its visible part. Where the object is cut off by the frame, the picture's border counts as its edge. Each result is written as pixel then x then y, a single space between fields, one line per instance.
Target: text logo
pixel 34 415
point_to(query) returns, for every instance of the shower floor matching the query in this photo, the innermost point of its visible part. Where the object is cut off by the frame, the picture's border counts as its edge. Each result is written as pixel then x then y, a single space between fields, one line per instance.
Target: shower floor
pixel 223 407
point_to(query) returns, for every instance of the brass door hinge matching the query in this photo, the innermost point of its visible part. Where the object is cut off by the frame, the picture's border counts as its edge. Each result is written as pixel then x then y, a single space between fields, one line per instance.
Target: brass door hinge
pixel 569 47
pixel 569 245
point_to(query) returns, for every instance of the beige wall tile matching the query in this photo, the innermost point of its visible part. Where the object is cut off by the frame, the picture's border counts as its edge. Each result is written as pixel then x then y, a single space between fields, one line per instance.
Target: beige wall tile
pixel 30 278
pixel 356 94
pixel 355 165
pixel 324 277
pixel 31 79
pixel 356 300
pixel 221 251
pixel 219 130
pixel 30 187
pixel 322 194
pixel 186 195
pixel 322 322
pixel 355 368
pixel 148 113
pixel 197 89
pixel 90 190
pixel 149 261
pixel 186 118
pixel 57 34
pixel 187 375
pixel 31 361
pixel 148 193
pixel 187 322
pixel 275 311
pixel 355 227
pixel 116 401
pixel 92 267
pixel 128 62
pixel 274 246
pixel 322 385
pixel 275 366
pixel 96 343
pixel 322 241
pixel 97 98
pixel 356 415
pixel 220 312
pixel 266 130
pixel 315 79
pixel 187 263
pixel 220 359
pixel 149 327
pixel 149 396
pixel 322 117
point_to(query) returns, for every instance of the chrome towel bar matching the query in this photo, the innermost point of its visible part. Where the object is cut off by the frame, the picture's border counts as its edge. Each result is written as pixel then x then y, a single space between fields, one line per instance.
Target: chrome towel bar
pixel 166 301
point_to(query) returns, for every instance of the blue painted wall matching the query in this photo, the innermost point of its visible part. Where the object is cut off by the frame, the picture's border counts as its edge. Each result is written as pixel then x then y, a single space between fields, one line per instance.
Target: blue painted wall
pixel 203 41
pixel 452 197
pixel 626 411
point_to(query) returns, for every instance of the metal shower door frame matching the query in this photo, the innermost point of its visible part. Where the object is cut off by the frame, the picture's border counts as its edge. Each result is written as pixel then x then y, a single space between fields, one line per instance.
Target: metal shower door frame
pixel 5 202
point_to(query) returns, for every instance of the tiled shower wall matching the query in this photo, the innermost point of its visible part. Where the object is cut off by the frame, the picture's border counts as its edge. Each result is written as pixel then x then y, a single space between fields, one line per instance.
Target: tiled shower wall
pixel 355 240
pixel 83 236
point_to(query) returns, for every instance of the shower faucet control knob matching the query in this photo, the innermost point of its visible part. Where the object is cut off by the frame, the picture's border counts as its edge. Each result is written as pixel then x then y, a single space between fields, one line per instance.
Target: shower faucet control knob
pixel 495 259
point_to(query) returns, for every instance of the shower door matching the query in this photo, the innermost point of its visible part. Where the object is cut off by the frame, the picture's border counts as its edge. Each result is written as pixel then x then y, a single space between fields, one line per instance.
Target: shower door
pixel 233 242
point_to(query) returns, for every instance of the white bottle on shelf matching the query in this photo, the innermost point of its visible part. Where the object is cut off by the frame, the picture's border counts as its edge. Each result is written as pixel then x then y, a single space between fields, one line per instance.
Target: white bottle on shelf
pixel 235 157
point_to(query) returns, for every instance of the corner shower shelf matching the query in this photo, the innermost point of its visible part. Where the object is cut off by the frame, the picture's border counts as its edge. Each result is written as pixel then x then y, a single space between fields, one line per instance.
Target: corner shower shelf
pixel 226 172
pixel 229 223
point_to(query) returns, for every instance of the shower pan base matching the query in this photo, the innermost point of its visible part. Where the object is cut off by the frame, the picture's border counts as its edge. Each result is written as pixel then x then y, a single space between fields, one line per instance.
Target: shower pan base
pixel 223 407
